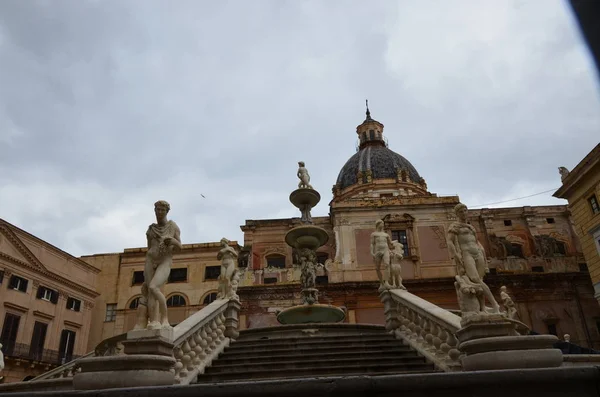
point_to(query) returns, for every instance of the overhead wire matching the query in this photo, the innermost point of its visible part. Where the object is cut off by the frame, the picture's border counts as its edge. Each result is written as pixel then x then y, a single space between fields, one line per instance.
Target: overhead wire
pixel 514 199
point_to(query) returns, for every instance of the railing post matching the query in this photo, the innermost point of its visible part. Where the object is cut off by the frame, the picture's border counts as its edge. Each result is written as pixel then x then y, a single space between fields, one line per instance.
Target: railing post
pixel 390 310
pixel 232 319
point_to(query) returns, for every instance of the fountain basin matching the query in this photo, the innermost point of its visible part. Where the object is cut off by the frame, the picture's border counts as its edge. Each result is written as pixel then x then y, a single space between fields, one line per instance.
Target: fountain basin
pixel 306 314
pixel 306 236
pixel 302 197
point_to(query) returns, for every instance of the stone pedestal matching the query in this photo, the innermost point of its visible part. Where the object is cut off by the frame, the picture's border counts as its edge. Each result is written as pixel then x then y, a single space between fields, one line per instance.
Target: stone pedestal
pixel 492 342
pixel 232 320
pixel 147 361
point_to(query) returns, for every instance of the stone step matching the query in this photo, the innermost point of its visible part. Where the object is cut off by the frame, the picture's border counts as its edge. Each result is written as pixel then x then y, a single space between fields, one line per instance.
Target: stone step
pixel 314 364
pixel 337 370
pixel 313 343
pixel 288 349
pixel 382 334
pixel 331 353
pixel 314 339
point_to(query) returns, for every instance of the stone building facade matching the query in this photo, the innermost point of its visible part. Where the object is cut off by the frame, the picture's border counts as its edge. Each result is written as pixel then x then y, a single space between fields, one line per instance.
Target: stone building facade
pixel 192 285
pixel 581 187
pixel 46 302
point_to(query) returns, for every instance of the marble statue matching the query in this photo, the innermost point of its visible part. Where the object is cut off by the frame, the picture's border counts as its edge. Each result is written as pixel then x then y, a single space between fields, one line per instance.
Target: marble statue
pixel 509 305
pixel 304 176
pixel 564 172
pixel 228 258
pixel 381 247
pixel 142 309
pixel 394 270
pixel 308 275
pixel 163 239
pixel 235 282
pixel 290 274
pixel 1 358
pixel 469 257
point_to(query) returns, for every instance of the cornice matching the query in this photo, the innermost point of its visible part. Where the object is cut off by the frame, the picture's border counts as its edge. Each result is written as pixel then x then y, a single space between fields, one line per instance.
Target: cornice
pixel 35 265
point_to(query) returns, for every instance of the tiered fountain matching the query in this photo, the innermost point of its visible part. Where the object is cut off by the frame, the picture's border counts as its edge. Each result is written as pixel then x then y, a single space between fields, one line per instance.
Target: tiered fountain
pixel 306 239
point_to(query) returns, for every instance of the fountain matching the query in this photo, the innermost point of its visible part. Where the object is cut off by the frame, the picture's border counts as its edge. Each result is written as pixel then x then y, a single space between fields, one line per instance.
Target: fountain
pixel 306 239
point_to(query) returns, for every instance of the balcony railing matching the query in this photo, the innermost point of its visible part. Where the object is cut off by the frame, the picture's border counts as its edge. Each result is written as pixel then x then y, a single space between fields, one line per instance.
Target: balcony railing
pixel 27 352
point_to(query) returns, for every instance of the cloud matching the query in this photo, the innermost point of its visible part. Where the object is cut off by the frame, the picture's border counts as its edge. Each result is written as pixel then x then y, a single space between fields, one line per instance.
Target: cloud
pixel 107 107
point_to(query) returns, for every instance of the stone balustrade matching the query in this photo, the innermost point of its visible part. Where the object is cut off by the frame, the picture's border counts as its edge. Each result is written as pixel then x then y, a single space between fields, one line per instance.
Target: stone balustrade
pixel 427 328
pixel 196 342
pixel 202 337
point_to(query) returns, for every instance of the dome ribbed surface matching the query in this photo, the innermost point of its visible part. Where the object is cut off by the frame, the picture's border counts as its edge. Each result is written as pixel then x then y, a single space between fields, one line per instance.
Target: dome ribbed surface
pixel 382 162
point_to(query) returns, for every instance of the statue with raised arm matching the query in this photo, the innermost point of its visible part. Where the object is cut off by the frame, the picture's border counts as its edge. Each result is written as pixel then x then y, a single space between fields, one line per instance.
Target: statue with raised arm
pixel 509 305
pixel 469 257
pixel 394 270
pixel 304 176
pixel 381 247
pixel 163 239
pixel 228 257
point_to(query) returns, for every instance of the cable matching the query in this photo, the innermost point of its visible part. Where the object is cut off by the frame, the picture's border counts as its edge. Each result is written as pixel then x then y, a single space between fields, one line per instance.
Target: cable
pixel 518 198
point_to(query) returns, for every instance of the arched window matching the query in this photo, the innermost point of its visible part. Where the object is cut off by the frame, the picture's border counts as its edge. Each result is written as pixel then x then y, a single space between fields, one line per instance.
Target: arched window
pixel 135 303
pixel 175 301
pixel 210 298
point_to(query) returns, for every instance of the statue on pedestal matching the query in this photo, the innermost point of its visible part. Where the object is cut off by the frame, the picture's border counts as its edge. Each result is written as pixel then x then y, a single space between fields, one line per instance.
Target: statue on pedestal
pixel 509 305
pixel 308 275
pixel 381 247
pixel 163 238
pixel 394 270
pixel 469 257
pixel 228 258
pixel 304 176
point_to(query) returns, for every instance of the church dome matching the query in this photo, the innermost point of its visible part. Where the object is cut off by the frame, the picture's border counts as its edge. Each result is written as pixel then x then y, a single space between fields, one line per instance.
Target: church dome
pixel 375 170
pixel 380 161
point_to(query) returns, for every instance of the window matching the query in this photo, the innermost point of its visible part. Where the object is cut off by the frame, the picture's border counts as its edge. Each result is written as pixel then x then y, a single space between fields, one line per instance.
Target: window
pixel 47 294
pixel 9 332
pixel 111 312
pixel 175 301
pixel 270 280
pixel 138 277
pixel 550 220
pixel 552 329
pixel 322 257
pixel 322 280
pixel 371 134
pixel 507 222
pixel 537 269
pixel 67 343
pixel 18 283
pixel 178 275
pixel 1 276
pixel 38 338
pixel 135 303
pixel 401 237
pixel 561 248
pixel 583 267
pixel 212 272
pixel 515 250
pixel 277 261
pixel 210 298
pixel 74 304
pixel 594 204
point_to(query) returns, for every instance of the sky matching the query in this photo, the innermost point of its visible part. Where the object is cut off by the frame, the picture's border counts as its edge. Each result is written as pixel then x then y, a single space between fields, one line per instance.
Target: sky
pixel 109 106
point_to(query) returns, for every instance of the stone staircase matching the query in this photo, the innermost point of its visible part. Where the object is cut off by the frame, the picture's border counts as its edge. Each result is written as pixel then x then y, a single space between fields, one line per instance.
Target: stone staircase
pixel 301 351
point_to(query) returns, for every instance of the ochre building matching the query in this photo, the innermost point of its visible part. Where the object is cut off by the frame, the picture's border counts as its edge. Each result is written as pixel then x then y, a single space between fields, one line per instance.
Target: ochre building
pixel 46 302
pixel 581 187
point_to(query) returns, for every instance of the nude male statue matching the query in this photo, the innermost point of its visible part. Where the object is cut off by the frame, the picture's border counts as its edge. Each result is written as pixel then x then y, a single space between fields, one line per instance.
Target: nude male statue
pixel 381 246
pixel 228 258
pixel 304 176
pixel 163 239
pixel 469 256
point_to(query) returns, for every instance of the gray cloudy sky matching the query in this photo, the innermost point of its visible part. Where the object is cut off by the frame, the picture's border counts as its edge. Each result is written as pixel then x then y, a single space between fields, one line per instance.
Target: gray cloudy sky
pixel 108 106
